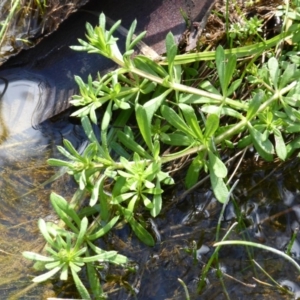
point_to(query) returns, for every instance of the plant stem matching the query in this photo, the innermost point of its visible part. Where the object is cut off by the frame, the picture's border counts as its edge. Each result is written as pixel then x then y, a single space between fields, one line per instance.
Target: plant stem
pixel 206 269
pixel 239 52
pixel 264 247
pixel 232 131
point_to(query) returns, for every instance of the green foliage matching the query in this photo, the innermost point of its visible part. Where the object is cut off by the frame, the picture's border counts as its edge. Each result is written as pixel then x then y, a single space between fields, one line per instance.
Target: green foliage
pixel 195 122
pixel 247 29
pixel 138 177
pixel 69 248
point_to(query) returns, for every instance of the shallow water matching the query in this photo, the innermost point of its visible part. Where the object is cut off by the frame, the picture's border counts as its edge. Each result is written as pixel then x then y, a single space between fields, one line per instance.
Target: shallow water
pixel 188 231
pixel 24 150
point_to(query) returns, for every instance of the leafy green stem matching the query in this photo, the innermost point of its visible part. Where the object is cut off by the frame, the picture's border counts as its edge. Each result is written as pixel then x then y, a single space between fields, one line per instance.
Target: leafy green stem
pixel 239 52
pixel 230 132
pixel 191 90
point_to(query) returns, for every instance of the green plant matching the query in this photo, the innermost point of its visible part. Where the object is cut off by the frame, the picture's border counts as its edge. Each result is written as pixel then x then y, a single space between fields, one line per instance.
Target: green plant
pixel 243 32
pixel 70 248
pixel 269 112
pixel 126 169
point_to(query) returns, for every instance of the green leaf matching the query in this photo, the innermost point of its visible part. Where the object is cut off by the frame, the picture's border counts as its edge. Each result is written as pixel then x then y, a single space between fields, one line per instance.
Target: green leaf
pixel 193 172
pixel 171 48
pixel 274 71
pixel 38 257
pixel 94 281
pixel 293 128
pixel 112 29
pixel 211 126
pixel 156 150
pixel 292 146
pixel 216 165
pixel 234 86
pixel 175 120
pixel 59 163
pixel 280 145
pixel 147 65
pixel 95 192
pixel 76 266
pixel 157 201
pixel 44 230
pixel 102 22
pixel 254 105
pixel 89 152
pixel 104 229
pixel 71 149
pixel 104 129
pixel 244 141
pixel 144 125
pixel 128 142
pixel 225 68
pixel 262 145
pixel 105 256
pixel 82 233
pixel 177 78
pixel 123 197
pixel 130 35
pixel 287 75
pixel 64 152
pixel 147 86
pixel 177 139
pixel 47 275
pixel 220 62
pixel 207 86
pixel 230 69
pixel 141 232
pixel 54 264
pixel 80 286
pixel 152 105
pixel 221 110
pixel 191 120
pixel 118 259
pixel 219 187
pixel 290 112
pixel 147 202
pixel 65 206
pixel 86 124
pixel 137 39
pixel 66 214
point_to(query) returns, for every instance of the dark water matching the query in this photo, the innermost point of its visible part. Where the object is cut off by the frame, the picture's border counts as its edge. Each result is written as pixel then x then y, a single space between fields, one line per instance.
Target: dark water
pixel 267 212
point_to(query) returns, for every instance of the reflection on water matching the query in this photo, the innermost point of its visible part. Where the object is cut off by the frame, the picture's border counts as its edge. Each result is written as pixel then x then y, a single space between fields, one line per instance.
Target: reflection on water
pixel 17 106
pixel 23 168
